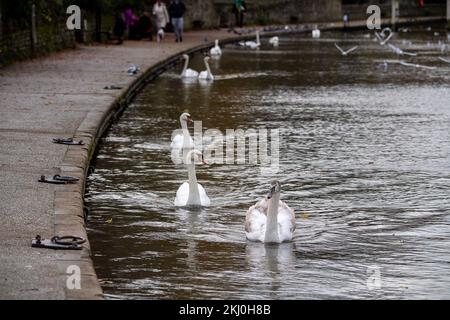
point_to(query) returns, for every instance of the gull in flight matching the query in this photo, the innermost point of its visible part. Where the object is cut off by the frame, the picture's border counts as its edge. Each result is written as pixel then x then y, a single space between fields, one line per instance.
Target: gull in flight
pixel 403 63
pixel 343 52
pixel 445 60
pixel 382 39
pixel 399 51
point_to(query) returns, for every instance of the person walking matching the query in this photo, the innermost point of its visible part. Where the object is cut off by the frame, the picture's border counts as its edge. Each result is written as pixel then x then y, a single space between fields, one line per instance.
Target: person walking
pixel 239 7
pixel 176 12
pixel 162 18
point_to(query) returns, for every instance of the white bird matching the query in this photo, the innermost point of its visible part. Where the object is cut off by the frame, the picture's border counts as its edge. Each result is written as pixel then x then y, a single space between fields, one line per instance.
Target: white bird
pixel 445 60
pixel 343 52
pixel 383 39
pixel 206 75
pixel 134 69
pixel 187 72
pixel 403 63
pixel 399 51
pixel 216 51
pixel 253 44
pixel 316 33
pixel 192 193
pixel 270 220
pixel 275 41
pixel 184 139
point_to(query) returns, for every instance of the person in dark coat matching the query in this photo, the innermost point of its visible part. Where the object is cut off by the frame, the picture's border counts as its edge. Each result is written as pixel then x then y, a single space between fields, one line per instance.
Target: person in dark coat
pixel 176 12
pixel 119 27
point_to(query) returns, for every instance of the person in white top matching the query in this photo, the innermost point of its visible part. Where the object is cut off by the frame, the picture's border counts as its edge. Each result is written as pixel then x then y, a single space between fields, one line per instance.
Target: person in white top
pixel 162 18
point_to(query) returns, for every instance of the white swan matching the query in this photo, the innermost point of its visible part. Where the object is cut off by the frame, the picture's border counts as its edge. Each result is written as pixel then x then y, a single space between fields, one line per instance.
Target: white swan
pixel 192 193
pixel 206 75
pixel 183 140
pixel 216 51
pixel 275 41
pixel 253 44
pixel 187 72
pixel 270 220
pixel 316 33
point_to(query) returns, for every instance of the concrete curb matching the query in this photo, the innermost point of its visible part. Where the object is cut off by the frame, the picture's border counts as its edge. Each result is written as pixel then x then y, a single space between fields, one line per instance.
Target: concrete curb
pixel 69 204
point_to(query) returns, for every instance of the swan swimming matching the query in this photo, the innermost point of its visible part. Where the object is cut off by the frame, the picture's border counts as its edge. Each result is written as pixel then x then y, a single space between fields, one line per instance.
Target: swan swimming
pixel 192 193
pixel 253 44
pixel 316 33
pixel 270 220
pixel 206 75
pixel 216 51
pixel 187 72
pixel 183 140
pixel 345 52
pixel 275 41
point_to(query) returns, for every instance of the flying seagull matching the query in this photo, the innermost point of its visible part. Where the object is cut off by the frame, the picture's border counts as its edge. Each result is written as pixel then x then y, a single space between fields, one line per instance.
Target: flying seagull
pixel 399 51
pixel 403 63
pixel 343 52
pixel 382 39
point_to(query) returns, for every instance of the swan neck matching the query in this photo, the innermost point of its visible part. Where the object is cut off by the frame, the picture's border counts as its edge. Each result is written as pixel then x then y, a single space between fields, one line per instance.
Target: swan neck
pixel 186 63
pixel 257 38
pixel 194 194
pixel 272 220
pixel 208 69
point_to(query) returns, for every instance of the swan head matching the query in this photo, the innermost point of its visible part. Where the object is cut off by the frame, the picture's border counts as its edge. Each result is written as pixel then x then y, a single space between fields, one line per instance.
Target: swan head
pixel 185 57
pixel 194 156
pixel 186 117
pixel 207 58
pixel 275 187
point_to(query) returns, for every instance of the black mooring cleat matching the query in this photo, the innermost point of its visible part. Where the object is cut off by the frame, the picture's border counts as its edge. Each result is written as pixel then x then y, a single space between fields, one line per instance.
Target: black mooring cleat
pixel 59 243
pixel 68 141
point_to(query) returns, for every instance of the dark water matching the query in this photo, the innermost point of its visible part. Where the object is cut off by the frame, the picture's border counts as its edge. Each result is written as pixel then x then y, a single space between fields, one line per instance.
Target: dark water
pixel 364 162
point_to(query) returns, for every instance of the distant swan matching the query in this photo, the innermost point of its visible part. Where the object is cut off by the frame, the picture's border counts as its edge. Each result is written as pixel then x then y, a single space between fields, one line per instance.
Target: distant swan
pixel 192 193
pixel 316 33
pixel 206 75
pixel 187 72
pixel 183 140
pixel 270 220
pixel 275 41
pixel 253 44
pixel 216 51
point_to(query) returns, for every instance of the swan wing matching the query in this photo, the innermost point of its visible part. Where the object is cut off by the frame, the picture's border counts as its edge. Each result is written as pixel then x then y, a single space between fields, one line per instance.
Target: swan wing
pixel 255 222
pixel 286 222
pixel 204 199
pixel 190 73
pixel 178 140
pixel 182 195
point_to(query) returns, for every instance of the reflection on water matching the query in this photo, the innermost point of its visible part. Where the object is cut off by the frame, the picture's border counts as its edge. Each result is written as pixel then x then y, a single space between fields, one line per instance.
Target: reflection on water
pixel 364 163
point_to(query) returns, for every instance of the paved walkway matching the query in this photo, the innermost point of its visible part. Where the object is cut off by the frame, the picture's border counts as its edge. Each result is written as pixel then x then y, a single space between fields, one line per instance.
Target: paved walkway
pixel 61 95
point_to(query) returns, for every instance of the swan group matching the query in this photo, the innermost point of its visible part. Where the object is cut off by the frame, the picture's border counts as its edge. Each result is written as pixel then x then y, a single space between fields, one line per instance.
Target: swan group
pixel 188 73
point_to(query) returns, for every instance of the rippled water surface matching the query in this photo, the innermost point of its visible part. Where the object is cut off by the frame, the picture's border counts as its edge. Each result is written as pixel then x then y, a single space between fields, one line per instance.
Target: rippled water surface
pixel 364 162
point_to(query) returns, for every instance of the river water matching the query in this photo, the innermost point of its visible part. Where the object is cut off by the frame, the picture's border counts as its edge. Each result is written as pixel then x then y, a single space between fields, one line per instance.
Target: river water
pixel 364 162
